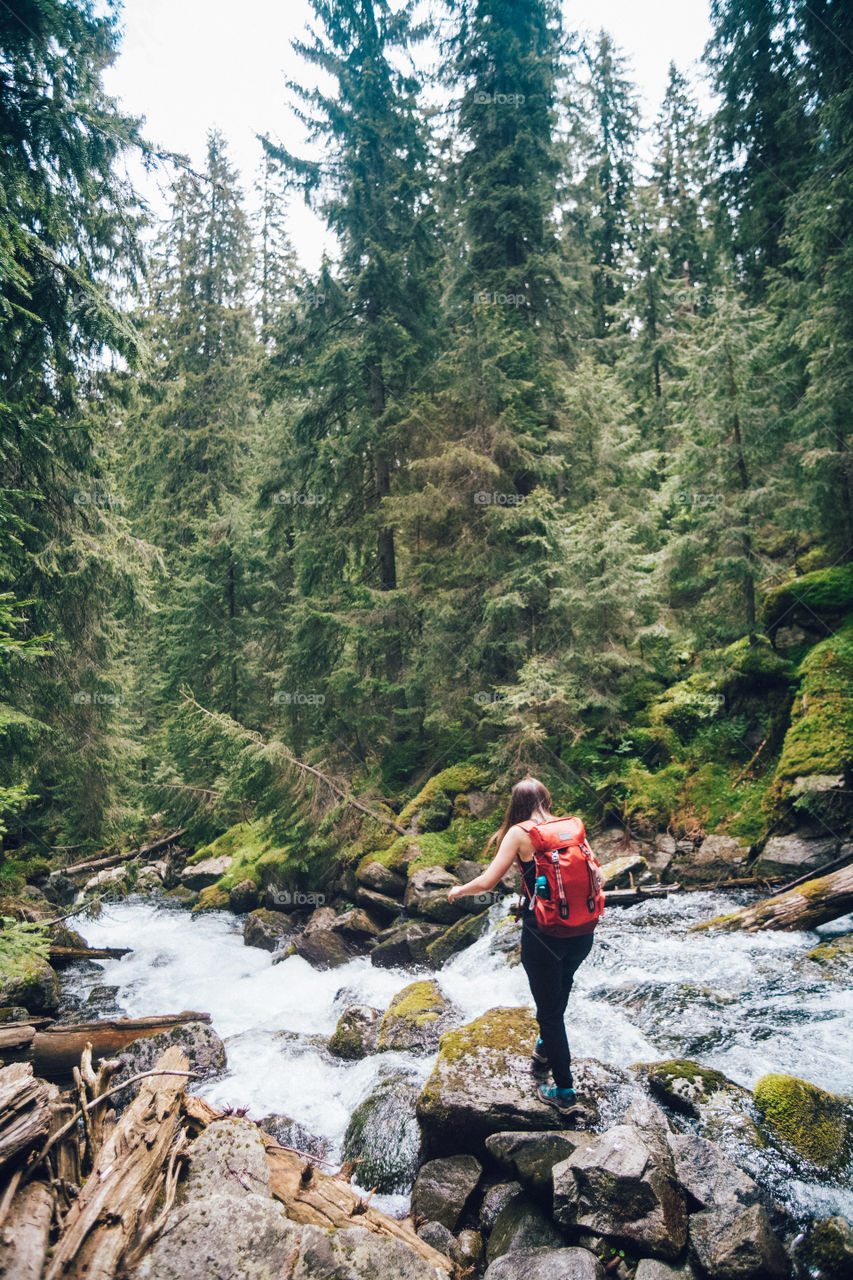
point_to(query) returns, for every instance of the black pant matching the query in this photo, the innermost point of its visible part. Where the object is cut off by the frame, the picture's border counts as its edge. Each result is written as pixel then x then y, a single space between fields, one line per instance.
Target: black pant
pixel 550 965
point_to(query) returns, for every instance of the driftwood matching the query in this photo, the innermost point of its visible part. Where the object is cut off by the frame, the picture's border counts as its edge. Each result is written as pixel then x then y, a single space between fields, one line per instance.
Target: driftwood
pixel 16 1035
pixel 55 1051
pixel 100 861
pixel 25 1105
pixel 805 907
pixel 60 956
pixel 24 1238
pixel 321 1199
pixel 102 1223
pixel 630 897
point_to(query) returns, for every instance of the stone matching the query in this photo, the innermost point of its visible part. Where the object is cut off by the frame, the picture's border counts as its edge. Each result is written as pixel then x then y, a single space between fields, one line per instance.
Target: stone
pixel 202 1046
pixel 436 1234
pixel 357 1033
pixel 708 1176
pixel 405 945
pixel 456 938
pixel 243 897
pixel 521 1225
pixel 530 1157
pixel 481 1084
pixel 614 843
pixel 652 1269
pixel 546 1264
pixel 481 804
pixel 830 1249
pixel 443 1188
pixel 619 871
pixel 470 1249
pixel 112 882
pixel 717 858
pixel 381 880
pixel 416 1018
pixel 426 895
pixel 356 925
pixel 201 874
pixel 290 1133
pixel 323 947
pixel 30 982
pixel 624 1188
pixel 702 1092
pixel 791 856
pixel 738 1245
pixel 835 956
pixel 495 1199
pixel 383 1135
pixel 379 904
pixel 269 930
pixel 101 1002
pixel 807 1122
pixel 150 877
pixel 359 1254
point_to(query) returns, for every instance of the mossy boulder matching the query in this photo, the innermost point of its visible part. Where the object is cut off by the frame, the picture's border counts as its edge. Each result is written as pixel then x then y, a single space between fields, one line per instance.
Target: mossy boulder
pixel 835 956
pixel 405 944
pixel 829 1249
pixel 243 897
pixel 618 871
pixel 432 808
pixel 269 930
pixel 823 596
pixel 457 938
pixel 30 981
pixel 383 1135
pixel 721 1106
pixel 808 1122
pixel 357 1033
pixel 374 876
pixel 213 898
pixel 416 1018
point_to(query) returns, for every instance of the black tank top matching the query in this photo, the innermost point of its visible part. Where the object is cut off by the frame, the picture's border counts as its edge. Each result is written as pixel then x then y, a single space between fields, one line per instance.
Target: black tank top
pixel 528 871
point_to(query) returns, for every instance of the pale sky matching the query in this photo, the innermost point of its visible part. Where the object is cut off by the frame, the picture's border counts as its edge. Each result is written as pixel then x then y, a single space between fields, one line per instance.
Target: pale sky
pixel 188 65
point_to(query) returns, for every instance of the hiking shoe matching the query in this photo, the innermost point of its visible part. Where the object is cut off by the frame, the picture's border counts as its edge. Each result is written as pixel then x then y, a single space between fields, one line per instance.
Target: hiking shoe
pixel 565 1100
pixel 540 1059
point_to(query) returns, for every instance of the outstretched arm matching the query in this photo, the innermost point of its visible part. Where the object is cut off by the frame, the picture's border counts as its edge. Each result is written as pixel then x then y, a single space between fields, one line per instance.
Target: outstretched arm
pixel 499 865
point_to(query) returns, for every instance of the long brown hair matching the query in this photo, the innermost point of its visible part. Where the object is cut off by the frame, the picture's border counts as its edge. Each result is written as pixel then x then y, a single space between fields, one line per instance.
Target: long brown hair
pixel 527 797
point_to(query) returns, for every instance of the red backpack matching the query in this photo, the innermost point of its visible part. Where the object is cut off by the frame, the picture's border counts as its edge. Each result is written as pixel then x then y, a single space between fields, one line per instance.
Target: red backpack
pixel 568 898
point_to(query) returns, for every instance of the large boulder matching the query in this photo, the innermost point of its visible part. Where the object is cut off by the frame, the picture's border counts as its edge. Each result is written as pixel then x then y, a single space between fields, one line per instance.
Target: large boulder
pixel 416 1018
pixel 721 1106
pixel 717 858
pixel 793 856
pixel 243 897
pixel 269 930
pixel 426 895
pixel 733 1244
pixel 203 1048
pixel 457 937
pixel 322 943
pixel 829 1249
pixel 443 1188
pixel 383 1136
pixel 521 1224
pixel 530 1157
pixel 199 875
pixel 708 1176
pixel 546 1264
pixel 357 1032
pixel 30 982
pixel 405 945
pixel 481 1084
pixel 381 879
pixel 357 927
pixel 379 905
pixel 619 871
pixel 813 1126
pixel 496 1196
pixel 624 1187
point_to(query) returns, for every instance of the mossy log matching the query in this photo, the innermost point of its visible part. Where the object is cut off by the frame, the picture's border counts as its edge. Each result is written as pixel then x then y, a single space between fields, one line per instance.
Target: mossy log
pixel 805 907
pixel 59 956
pixel 104 1220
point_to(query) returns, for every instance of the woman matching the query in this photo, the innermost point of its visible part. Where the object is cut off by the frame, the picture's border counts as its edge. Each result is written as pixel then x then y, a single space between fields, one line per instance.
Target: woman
pixel 550 963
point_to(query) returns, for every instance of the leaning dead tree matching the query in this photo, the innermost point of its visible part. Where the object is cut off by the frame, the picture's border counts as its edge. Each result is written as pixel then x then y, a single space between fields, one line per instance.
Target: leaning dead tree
pixel 803 907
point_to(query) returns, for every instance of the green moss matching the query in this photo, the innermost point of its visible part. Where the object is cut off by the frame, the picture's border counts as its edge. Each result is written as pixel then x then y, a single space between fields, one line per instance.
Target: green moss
pixel 755 656
pixel 419 1002
pixel 717 922
pixel 824 594
pixel 705 1080
pixel 501 1032
pixel 817 1125
pixel 433 804
pixel 820 739
pixel 835 955
pixel 252 849
pixel 213 898
pixel 654 795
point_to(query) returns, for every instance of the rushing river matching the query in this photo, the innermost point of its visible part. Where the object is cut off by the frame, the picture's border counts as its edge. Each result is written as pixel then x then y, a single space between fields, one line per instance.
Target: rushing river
pixel 742 1003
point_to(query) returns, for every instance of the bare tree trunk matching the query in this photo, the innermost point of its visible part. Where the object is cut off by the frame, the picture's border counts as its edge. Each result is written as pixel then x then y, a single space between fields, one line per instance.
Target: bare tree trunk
pixel 805 907
pixel 25 1108
pixel 23 1243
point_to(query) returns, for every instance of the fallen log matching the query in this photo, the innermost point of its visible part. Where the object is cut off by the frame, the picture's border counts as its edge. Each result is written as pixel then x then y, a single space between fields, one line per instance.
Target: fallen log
pixel 25 1109
pixel 630 897
pixel 19 1037
pixel 321 1199
pixel 55 1051
pixel 103 1222
pixel 102 860
pixel 60 956
pixel 24 1239
pixel 805 907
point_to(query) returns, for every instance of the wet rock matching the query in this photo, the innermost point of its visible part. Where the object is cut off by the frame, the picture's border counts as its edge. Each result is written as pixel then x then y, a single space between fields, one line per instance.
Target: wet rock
pixel 738 1245
pixel 652 1269
pixel 835 956
pixel 829 1249
pixel 60 889
pixel 112 882
pixel 290 1133
pixel 357 1033
pixel 481 1084
pixel 457 937
pixel 323 947
pixel 13 1013
pixel 32 983
pixel 202 1046
pixel 357 926
pixel 243 897
pixel 717 858
pixel 495 1199
pixel 101 1002
pixel 151 877
pixel 470 1249
pixel 618 871
pixel 793 856
pixel 182 897
pixel 530 1157
pixel 381 880
pixel 359 1254
pixel 379 905
pixel 426 895
pixel 383 1135
pixel 200 875
pixel 521 1225
pixel 807 1122
pixel 623 1187
pixel 269 930
pixel 546 1264
pixel 708 1176
pixel 443 1188
pixel 405 945
pixel 416 1018
pixel 720 1105
pixel 436 1234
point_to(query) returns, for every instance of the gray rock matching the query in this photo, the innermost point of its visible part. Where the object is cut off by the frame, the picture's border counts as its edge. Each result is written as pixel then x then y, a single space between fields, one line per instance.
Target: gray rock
pixel 357 1032
pixel 443 1188
pixel 364 1255
pixel 382 880
pixel 530 1157
pixel 457 937
pixel 495 1199
pixel 738 1245
pixel 201 874
pixel 436 1234
pixel 383 1135
pixel 720 1105
pixel 708 1177
pixel 426 895
pixel 470 1249
pixel 322 945
pixel 652 1269
pixel 793 856
pixel 269 930
pixel 546 1264
pixel 619 871
pixel 243 897
pixel 290 1133
pixel 624 1188
pixel 33 985
pixel 101 1002
pixel 482 803
pixel 718 857
pixel 356 925
pixel 405 945
pixel 379 905
pixel 416 1018
pixel 521 1225
pixel 202 1046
